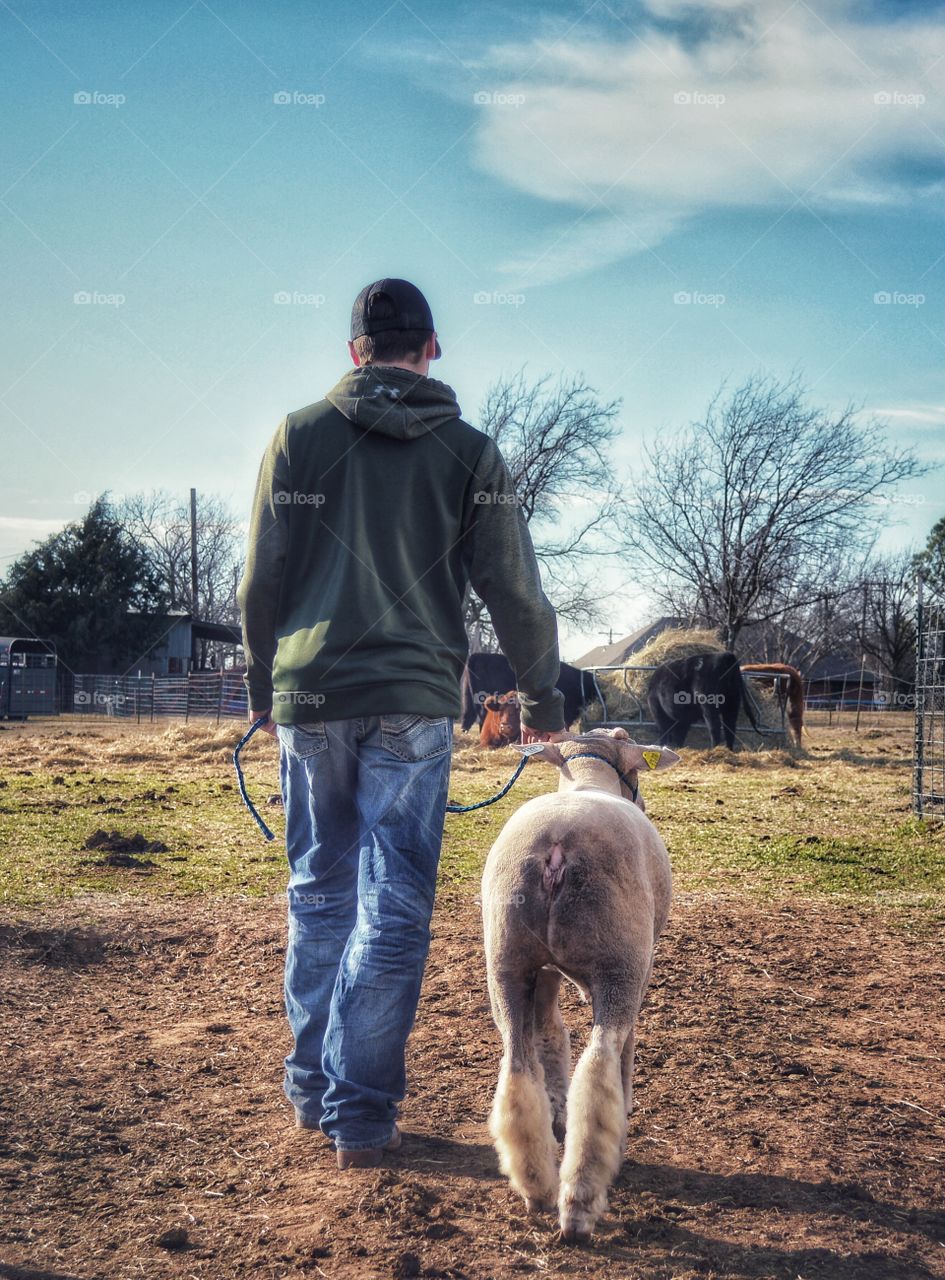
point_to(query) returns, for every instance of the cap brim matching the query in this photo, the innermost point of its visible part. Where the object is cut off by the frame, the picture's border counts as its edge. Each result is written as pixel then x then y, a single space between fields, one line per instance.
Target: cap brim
pixel 439 350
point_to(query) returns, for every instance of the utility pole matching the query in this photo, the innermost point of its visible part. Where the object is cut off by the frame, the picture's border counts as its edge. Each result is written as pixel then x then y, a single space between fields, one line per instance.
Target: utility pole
pixel 193 576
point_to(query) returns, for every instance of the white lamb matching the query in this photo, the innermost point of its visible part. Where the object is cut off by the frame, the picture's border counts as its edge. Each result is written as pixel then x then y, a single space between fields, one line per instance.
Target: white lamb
pixel 577 884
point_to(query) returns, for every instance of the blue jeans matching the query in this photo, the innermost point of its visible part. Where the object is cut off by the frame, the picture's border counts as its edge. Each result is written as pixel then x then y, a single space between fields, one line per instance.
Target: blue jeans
pixel 365 802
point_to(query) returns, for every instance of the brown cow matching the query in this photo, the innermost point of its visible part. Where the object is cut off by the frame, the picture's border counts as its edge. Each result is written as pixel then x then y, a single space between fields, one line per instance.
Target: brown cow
pixel 503 723
pixel 794 695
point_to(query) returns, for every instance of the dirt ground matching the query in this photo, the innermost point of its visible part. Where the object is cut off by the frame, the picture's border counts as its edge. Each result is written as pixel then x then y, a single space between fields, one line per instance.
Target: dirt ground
pixel 788 1119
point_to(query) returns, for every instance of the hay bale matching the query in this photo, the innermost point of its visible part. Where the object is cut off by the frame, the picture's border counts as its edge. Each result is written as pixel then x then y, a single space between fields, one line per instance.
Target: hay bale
pixel 676 642
pixel 625 691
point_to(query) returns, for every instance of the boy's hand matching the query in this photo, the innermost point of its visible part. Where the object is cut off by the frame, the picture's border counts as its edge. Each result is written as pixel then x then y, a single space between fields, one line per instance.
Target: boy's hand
pixel 535 735
pixel 269 727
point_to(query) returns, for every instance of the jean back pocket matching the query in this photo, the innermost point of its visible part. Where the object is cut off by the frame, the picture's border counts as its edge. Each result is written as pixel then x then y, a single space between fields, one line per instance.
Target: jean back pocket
pixel 415 738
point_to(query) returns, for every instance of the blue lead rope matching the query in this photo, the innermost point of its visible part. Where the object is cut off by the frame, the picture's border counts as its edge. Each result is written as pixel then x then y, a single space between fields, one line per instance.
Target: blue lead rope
pixel 241 781
pixel 450 808
pixel 468 808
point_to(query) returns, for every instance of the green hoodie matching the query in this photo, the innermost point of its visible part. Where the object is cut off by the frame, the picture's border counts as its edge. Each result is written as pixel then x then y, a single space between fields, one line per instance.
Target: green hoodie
pixel 374 509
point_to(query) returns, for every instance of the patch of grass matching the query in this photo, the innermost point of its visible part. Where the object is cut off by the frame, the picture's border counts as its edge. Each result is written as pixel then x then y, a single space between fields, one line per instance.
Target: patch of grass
pixel 212 844
pixel 833 821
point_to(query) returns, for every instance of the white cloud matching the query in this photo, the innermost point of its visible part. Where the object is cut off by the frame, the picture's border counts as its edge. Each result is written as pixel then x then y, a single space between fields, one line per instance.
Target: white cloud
pixel 594 242
pixel 922 415
pixel 741 105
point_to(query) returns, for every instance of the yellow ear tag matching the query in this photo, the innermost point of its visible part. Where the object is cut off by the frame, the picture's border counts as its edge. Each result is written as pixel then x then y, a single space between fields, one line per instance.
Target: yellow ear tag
pixel 652 758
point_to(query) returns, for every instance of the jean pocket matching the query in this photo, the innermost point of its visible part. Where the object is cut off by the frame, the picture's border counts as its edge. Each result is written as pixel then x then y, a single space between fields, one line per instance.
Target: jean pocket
pixel 414 738
pixel 304 740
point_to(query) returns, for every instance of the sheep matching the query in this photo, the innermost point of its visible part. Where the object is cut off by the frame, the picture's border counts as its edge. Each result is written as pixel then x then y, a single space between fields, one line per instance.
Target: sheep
pixel 578 884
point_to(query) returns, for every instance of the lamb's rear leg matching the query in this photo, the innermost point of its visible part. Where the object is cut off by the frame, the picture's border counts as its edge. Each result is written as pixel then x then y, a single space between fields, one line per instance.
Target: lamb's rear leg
pixel 597 1130
pixel 520 1122
pixel 553 1045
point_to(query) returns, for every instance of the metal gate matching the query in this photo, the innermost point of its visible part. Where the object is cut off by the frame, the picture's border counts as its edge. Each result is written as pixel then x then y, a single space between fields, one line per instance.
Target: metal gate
pixel 928 776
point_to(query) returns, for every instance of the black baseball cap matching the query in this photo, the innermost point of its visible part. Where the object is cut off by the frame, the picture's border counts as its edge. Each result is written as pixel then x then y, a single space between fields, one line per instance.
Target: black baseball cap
pixel 408 309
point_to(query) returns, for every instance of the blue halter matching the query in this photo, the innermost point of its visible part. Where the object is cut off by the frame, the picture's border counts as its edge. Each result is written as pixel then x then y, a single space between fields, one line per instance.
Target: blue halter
pixel 632 787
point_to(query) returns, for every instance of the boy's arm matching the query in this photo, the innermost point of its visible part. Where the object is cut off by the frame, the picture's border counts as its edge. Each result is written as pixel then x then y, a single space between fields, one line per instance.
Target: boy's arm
pixel 503 570
pixel 258 593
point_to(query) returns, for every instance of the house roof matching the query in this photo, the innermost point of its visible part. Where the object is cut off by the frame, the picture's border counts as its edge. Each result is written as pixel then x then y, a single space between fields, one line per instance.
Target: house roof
pixel 614 655
pixel 839 666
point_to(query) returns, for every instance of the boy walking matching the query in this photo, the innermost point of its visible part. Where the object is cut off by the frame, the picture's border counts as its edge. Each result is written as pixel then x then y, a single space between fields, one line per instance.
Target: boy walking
pixel 375 509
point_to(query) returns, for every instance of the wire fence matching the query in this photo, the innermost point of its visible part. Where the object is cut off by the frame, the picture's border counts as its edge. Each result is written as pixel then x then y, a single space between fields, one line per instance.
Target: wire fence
pixel 215 694
pixel 928 785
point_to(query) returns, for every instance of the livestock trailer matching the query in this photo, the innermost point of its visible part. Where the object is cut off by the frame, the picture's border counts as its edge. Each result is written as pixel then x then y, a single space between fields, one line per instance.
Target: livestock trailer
pixel 27 677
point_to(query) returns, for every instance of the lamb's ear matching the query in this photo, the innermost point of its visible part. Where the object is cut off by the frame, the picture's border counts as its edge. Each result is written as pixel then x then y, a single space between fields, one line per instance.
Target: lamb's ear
pixel 546 751
pixel 636 756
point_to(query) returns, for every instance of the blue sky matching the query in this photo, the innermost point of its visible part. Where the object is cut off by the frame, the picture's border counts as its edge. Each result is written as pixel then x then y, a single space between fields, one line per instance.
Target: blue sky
pixel 586 167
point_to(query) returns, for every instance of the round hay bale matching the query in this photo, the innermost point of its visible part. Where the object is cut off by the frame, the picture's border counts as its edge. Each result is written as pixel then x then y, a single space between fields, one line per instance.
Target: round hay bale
pixel 625 691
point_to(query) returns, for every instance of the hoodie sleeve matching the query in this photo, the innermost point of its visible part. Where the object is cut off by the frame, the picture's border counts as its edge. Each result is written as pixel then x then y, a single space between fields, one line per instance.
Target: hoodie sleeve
pixel 258 594
pixel 503 570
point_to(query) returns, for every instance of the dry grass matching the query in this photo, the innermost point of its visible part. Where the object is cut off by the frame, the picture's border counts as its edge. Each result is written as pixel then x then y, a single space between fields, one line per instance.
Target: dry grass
pixel 831 820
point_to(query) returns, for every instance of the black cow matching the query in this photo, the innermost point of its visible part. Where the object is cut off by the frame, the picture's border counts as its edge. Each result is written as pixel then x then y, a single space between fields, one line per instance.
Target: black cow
pixel 488 673
pixel 707 687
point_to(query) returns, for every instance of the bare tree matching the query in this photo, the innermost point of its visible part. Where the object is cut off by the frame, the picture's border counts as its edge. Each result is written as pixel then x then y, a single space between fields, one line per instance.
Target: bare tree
pixel 757 510
pixel 885 618
pixel 159 523
pixel 555 438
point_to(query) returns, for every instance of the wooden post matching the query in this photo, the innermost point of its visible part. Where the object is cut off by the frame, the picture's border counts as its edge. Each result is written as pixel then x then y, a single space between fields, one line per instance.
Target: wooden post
pixel 194 611
pixel 859 694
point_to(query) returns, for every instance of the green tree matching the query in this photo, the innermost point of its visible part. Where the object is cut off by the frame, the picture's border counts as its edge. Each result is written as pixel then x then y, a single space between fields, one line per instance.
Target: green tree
pixel 930 561
pixel 91 590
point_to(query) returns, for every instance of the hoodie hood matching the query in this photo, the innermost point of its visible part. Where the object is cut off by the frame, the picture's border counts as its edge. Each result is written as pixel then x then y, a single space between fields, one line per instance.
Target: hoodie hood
pixel 394 402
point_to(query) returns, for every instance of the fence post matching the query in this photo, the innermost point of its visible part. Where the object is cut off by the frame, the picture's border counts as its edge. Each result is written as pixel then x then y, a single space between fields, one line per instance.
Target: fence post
pixel 918 767
pixel 859 694
pixel 152 697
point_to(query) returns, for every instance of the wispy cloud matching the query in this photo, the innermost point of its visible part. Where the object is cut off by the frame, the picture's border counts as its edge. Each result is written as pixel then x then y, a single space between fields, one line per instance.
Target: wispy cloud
pixel 924 415
pixel 762 104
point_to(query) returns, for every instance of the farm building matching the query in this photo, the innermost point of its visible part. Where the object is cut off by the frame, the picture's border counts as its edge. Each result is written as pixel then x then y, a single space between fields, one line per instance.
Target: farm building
pixel 190 645
pixel 835 679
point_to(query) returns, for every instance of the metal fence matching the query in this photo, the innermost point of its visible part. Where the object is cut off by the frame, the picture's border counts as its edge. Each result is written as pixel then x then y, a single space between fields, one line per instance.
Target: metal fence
pixel 201 693
pixel 637 715
pixel 928 782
